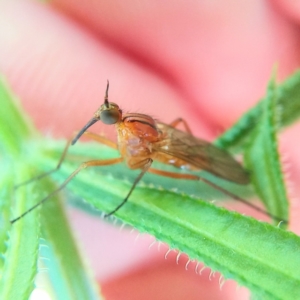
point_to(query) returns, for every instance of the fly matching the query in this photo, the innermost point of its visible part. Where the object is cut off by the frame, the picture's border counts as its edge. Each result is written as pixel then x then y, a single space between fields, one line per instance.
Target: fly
pixel 142 140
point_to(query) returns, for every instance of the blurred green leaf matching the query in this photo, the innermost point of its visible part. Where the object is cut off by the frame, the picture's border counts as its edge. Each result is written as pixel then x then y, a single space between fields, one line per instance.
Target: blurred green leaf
pixel 19 244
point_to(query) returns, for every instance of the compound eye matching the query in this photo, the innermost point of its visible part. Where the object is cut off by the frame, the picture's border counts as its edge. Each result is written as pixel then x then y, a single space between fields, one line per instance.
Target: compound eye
pixel 110 116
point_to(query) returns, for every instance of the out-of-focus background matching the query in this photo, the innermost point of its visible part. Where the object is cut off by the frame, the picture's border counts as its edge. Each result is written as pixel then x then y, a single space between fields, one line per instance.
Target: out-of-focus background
pixel 205 61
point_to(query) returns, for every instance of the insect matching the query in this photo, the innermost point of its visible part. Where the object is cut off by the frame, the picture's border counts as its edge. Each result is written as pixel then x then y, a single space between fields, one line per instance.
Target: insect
pixel 142 140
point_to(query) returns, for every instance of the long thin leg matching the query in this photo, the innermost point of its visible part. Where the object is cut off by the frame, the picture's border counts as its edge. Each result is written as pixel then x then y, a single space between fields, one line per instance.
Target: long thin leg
pixel 101 139
pixel 177 121
pixel 145 165
pixel 91 163
pixel 90 135
pixel 199 178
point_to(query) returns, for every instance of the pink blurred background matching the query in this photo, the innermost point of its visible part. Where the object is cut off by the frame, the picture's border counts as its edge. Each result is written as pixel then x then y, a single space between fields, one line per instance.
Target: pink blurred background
pixel 206 61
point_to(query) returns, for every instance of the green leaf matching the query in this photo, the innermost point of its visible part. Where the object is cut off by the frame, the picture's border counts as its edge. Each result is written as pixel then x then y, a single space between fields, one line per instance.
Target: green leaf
pixel 6 193
pixel 288 95
pixel 255 254
pixel 15 126
pixel 19 244
pixel 263 159
pixel 67 273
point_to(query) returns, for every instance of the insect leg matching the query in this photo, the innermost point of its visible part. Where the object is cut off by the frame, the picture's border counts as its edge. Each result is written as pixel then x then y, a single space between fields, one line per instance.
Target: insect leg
pixel 91 163
pixel 225 192
pixel 145 165
pixel 90 135
pixel 101 139
pixel 177 121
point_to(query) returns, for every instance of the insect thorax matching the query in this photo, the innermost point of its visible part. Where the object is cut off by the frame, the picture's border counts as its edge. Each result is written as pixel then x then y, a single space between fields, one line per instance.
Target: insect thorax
pixel 135 139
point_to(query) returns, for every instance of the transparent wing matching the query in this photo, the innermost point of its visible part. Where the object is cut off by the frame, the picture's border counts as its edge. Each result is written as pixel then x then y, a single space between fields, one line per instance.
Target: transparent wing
pixel 200 154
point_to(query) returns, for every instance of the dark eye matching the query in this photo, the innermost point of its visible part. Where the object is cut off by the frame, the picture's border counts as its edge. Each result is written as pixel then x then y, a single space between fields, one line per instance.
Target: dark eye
pixel 110 116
